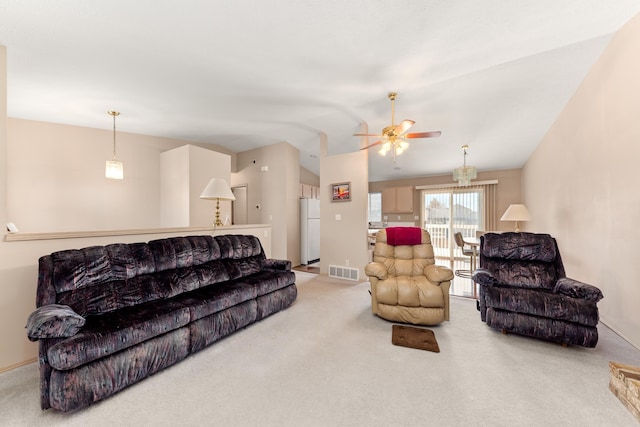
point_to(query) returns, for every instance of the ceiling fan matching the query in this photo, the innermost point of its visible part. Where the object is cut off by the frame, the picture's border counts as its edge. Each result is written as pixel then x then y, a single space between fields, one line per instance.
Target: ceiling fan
pixel 394 137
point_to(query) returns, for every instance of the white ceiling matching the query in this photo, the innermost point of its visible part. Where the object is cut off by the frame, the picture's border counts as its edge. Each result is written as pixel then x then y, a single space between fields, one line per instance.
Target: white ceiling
pixel 242 74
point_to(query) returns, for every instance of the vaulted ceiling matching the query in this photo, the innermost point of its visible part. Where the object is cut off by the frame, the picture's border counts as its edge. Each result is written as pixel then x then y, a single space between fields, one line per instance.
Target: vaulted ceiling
pixel 242 74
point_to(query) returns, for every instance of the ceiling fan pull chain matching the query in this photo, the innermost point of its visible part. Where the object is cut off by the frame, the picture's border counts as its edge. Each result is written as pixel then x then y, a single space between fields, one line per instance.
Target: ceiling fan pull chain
pixel 392 97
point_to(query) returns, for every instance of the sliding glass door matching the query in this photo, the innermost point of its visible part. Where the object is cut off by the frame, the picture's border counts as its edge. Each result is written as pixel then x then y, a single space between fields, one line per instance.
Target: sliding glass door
pixel 447 211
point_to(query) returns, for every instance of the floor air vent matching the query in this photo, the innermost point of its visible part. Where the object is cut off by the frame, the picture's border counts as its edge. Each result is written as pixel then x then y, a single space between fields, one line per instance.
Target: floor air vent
pixel 343 272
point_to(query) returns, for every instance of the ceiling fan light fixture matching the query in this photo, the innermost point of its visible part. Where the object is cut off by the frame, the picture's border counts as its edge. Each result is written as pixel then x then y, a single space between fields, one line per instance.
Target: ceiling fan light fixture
pixel 401 147
pixel 386 147
pixel 465 174
pixel 392 139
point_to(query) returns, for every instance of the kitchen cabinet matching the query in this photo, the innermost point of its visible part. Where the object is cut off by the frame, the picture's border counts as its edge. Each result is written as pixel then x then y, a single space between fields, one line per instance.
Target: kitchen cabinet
pixel 309 191
pixel 397 200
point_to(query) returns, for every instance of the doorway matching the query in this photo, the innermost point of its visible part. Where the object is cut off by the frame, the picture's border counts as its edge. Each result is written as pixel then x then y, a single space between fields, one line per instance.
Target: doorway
pixel 239 207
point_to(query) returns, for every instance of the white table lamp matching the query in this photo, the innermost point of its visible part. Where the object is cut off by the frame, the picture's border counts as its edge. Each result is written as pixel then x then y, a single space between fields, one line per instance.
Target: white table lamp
pixel 217 190
pixel 516 213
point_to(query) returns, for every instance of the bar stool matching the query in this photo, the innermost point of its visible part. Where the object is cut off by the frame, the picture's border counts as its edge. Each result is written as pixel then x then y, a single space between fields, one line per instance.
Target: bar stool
pixel 465 251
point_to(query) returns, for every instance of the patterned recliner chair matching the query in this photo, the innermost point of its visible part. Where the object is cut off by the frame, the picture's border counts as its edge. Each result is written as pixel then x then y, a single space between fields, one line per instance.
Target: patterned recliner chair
pixel 406 285
pixel 524 290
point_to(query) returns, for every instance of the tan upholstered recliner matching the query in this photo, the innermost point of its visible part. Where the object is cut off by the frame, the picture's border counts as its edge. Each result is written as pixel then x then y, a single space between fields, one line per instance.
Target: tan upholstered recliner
pixel 406 285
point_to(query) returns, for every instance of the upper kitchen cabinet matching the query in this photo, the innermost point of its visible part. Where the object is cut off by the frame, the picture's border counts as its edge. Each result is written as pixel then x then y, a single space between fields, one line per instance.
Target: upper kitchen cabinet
pixel 397 200
pixel 309 191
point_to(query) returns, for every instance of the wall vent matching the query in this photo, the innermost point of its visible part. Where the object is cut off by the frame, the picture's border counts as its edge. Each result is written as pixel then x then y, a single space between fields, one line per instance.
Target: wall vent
pixel 343 272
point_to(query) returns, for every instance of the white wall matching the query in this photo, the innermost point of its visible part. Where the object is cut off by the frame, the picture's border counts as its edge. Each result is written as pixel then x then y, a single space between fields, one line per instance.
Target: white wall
pixel 581 183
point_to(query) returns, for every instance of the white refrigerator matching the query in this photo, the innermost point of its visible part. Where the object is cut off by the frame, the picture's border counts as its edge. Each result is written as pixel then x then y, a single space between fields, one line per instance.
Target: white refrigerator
pixel 309 231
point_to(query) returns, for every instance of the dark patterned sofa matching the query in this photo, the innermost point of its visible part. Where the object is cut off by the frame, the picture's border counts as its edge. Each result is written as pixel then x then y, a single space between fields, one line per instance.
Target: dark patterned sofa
pixel 109 316
pixel 524 290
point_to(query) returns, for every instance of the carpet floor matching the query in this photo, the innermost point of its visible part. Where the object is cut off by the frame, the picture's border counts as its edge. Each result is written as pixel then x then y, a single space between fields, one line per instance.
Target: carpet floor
pixel 327 361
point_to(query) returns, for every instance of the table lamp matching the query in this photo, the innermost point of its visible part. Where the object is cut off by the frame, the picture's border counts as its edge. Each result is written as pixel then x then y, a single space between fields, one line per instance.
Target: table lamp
pixel 217 190
pixel 516 213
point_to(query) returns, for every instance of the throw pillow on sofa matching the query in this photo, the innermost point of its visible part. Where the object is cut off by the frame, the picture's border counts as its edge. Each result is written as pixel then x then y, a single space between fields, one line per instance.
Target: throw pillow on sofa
pixel 53 321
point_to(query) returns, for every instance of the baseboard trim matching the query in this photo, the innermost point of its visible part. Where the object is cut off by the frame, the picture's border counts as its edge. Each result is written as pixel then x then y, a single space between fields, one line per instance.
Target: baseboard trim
pixel 18 365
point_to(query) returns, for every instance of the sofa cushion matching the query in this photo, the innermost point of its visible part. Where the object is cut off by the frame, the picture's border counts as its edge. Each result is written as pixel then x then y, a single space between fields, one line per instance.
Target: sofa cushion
pixel 243 267
pixel 109 333
pixel 519 246
pixel 239 246
pixel 95 299
pixel 130 260
pixel 211 299
pixel 269 281
pixel 78 268
pixel 106 297
pixel 205 249
pixel 212 272
pixel 542 304
pixel 524 274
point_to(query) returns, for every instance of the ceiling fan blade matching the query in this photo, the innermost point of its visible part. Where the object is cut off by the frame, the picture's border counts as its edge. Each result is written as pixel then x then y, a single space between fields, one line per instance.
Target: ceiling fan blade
pixel 423 134
pixel 404 126
pixel 372 145
pixel 367 134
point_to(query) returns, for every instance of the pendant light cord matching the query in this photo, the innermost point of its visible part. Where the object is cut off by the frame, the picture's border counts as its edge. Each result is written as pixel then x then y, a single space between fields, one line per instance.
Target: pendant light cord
pixel 114 114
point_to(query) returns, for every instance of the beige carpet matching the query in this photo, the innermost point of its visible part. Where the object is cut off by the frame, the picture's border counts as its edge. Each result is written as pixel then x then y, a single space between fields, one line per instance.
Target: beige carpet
pixel 327 361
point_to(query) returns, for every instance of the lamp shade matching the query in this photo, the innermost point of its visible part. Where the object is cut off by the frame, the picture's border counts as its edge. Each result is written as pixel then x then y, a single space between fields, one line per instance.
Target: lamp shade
pixel 516 213
pixel 114 169
pixel 217 189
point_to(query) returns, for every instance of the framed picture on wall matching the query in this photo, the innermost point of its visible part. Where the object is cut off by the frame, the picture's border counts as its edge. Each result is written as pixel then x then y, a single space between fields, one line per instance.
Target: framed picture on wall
pixel 341 192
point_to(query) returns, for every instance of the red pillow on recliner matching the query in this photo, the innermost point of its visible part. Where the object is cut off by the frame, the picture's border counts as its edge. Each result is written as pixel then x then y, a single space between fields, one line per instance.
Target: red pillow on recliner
pixel 397 236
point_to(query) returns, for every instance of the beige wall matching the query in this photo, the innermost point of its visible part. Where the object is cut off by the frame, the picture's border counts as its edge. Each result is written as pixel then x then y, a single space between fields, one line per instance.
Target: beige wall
pixel 308 177
pixel 55 179
pixel 185 172
pixel 509 191
pixel 273 194
pixel 581 183
pixel 344 239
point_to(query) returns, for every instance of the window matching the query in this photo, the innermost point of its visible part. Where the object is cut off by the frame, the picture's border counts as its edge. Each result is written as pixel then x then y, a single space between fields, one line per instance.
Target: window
pixel 375 207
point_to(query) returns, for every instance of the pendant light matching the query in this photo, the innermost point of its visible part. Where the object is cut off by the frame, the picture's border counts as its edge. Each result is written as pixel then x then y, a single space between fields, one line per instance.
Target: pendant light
pixel 465 174
pixel 114 169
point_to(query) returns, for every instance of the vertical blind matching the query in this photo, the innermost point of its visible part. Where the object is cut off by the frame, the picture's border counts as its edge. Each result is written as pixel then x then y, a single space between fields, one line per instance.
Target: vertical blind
pixel 464 196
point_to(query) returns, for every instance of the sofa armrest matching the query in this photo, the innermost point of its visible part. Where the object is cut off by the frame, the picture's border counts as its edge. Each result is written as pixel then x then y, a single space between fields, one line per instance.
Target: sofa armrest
pixel 377 270
pixel 53 321
pixel 484 277
pixel 438 273
pixel 276 264
pixel 576 289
